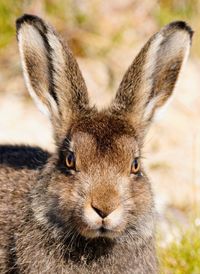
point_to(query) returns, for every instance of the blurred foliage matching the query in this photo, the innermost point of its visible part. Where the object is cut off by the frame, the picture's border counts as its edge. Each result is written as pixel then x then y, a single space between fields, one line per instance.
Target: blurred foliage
pixel 170 10
pixel 92 28
pixel 182 256
pixel 9 10
pixel 81 21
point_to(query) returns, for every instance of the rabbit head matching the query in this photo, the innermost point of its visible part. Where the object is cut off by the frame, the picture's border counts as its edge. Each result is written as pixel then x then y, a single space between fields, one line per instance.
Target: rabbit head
pixel 94 184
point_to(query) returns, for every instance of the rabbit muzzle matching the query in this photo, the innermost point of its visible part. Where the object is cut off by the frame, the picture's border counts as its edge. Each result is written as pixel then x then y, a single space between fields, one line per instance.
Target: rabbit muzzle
pixel 101 224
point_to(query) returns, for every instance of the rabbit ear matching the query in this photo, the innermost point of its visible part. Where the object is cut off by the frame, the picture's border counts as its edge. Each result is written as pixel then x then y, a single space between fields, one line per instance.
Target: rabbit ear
pixel 52 74
pixel 151 78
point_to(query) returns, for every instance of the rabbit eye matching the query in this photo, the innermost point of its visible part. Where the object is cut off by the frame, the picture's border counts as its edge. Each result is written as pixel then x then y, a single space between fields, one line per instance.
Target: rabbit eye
pixel 135 167
pixel 70 160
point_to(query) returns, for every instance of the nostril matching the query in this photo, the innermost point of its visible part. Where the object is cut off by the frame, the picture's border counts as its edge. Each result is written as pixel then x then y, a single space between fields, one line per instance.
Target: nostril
pixel 101 213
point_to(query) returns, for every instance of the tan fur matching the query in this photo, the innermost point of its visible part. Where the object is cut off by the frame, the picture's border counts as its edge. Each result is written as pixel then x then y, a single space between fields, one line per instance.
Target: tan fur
pixel 98 217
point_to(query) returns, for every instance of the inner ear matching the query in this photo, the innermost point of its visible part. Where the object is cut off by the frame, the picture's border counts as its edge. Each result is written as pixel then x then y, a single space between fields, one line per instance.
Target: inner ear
pixel 36 68
pixel 51 73
pixel 151 78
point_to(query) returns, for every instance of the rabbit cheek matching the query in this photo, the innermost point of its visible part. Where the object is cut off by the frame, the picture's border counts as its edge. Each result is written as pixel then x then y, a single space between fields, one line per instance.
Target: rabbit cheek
pixel 141 202
pixel 143 197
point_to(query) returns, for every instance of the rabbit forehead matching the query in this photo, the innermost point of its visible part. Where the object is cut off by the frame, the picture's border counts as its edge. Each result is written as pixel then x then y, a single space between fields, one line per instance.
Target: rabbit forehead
pixel 104 144
pixel 107 138
pixel 104 127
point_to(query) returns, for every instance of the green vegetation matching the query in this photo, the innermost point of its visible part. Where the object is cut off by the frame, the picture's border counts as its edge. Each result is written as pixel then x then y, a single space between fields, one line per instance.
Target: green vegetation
pixel 170 10
pixel 182 257
pixel 85 21
pixel 9 10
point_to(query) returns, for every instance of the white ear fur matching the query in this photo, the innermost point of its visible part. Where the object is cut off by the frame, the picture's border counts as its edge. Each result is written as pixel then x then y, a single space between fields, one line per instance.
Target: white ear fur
pixel 148 72
pixel 150 63
pixel 29 39
pixel 177 43
pixel 59 63
pixel 160 112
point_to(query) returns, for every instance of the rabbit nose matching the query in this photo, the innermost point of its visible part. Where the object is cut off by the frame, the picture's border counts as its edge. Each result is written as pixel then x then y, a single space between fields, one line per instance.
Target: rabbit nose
pixel 100 212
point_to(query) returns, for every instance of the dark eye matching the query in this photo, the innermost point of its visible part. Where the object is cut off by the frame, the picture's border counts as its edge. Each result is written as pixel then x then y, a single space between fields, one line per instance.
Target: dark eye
pixel 70 160
pixel 135 167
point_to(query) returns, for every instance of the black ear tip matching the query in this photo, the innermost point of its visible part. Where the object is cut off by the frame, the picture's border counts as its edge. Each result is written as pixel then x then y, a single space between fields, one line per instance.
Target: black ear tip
pixel 30 19
pixel 183 26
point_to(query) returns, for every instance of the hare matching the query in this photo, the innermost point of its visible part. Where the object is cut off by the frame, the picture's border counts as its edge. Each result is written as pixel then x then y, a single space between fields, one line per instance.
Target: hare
pixel 88 207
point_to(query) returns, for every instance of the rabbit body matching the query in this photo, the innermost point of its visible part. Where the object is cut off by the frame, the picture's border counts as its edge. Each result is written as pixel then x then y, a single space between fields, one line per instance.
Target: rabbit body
pixel 88 207
pixel 26 247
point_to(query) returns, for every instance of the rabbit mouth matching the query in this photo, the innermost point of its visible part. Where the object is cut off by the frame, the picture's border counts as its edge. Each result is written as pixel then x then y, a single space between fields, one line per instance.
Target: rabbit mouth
pixel 101 232
pixel 105 232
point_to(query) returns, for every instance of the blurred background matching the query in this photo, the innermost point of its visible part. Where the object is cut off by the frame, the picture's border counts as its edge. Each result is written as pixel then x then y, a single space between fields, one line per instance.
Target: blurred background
pixel 105 36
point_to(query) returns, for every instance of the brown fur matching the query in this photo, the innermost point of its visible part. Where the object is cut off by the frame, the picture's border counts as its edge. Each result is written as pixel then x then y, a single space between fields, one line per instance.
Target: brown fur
pixel 98 217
